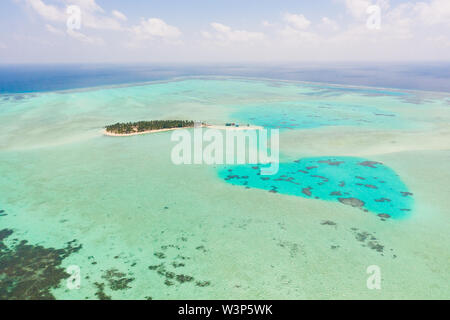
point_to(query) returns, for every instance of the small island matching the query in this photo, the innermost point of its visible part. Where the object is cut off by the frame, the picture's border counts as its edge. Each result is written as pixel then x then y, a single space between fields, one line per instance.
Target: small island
pixel 141 127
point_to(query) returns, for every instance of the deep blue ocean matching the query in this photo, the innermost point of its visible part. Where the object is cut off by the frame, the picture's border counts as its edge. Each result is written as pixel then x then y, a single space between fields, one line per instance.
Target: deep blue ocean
pixel 35 78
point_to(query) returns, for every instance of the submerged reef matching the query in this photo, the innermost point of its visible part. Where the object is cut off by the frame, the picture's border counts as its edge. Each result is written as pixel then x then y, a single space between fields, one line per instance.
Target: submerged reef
pixel 30 272
pixel 115 280
pixel 172 264
pixel 370 241
pixel 359 183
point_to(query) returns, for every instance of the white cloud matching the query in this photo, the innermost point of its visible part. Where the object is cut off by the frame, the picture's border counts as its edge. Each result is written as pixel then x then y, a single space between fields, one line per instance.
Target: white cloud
pixel 297 20
pixel 86 5
pixel 84 38
pixel 92 15
pixel 440 41
pixel 329 24
pixel 358 8
pixel 53 30
pixel 220 27
pixel 206 34
pixel 295 36
pixel 155 28
pixel 294 33
pixel 101 23
pixel 409 29
pixel 225 34
pixel 435 12
pixel 119 15
pixel 48 12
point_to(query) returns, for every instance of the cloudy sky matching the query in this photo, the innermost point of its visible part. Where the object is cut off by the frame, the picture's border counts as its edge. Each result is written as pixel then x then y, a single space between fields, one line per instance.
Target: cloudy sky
pixel 223 30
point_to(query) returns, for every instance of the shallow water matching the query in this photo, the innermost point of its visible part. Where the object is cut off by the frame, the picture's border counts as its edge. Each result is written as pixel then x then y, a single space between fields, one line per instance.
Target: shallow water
pixel 146 228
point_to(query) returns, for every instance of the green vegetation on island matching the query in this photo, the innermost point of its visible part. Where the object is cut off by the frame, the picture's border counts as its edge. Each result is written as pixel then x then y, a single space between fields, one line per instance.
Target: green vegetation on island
pixel 142 126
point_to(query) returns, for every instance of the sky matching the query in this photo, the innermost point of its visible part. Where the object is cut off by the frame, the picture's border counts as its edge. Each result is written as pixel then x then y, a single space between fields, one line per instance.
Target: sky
pixel 231 31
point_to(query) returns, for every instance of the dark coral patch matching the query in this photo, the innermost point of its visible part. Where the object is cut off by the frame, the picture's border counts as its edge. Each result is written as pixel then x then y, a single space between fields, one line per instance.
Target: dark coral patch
pixel 155 267
pixel 202 283
pixel 168 270
pixel 368 240
pixel 168 283
pixel 100 293
pixel 177 265
pixel 159 255
pixel 384 115
pixel 202 248
pixel 181 278
pixel 331 163
pixel 307 191
pixel 354 202
pixel 375 246
pixel 370 164
pixel 5 233
pixel 384 216
pixel 117 280
pixel 320 177
pixel 30 272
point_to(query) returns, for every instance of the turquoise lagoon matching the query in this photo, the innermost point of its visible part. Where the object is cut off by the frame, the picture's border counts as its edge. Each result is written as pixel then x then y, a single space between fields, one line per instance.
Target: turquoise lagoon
pixel 140 227
pixel 356 182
